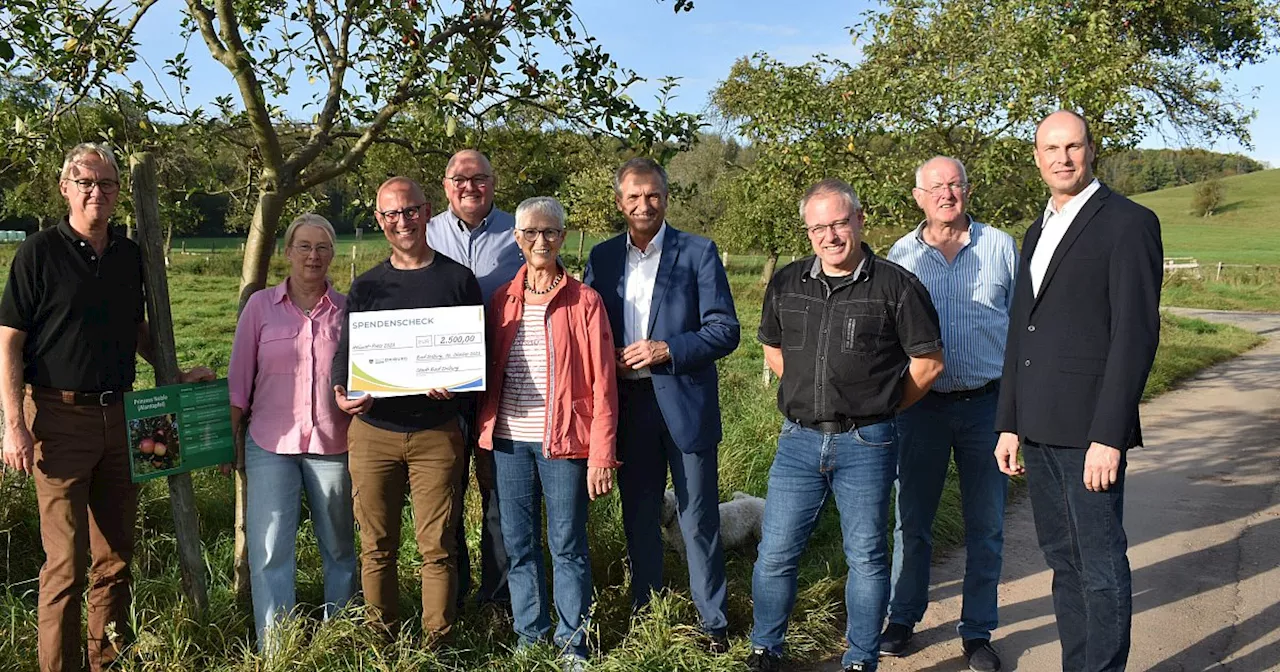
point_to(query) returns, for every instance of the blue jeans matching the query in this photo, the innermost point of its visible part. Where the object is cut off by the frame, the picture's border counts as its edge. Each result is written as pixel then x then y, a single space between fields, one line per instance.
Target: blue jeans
pixel 275 483
pixel 1082 536
pixel 928 433
pixel 857 467
pixel 525 478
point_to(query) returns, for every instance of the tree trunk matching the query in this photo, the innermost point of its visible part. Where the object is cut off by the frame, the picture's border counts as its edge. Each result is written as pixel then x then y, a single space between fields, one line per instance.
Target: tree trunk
pixel 582 240
pixel 766 275
pixel 770 264
pixel 253 277
pixel 261 244
pixel 182 496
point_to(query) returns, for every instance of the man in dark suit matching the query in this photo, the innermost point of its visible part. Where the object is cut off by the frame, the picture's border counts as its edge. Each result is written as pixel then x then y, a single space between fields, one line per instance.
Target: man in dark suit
pixel 672 316
pixel 1082 336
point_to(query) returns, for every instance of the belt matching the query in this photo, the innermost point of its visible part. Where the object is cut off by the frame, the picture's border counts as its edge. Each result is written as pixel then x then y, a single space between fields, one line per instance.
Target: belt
pixel 72 398
pixel 966 395
pixel 844 425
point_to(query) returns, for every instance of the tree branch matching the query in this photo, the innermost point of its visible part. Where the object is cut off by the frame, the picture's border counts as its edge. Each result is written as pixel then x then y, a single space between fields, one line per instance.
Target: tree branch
pixel 306 153
pixel 96 77
pixel 236 58
pixel 388 111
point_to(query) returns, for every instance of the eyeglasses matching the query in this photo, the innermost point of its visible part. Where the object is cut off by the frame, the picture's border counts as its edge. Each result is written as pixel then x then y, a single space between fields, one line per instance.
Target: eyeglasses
pixel 476 181
pixel 820 230
pixel 550 235
pixel 939 189
pixel 104 186
pixel 412 212
pixel 305 249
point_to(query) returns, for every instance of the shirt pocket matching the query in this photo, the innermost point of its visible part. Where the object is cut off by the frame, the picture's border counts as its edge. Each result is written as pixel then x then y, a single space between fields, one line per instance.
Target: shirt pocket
pixel 278 349
pixel 795 328
pixel 861 331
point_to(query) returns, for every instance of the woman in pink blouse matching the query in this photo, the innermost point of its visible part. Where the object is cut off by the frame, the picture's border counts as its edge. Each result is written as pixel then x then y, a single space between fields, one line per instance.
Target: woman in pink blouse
pixel 297 438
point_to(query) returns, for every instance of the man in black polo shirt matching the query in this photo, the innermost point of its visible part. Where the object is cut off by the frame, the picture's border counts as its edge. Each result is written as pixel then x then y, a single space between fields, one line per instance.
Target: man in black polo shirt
pixel 854 340
pixel 71 319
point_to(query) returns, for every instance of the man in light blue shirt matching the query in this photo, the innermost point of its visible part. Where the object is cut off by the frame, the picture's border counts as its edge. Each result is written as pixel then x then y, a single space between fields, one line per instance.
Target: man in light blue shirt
pixel 472 231
pixel 476 234
pixel 969 269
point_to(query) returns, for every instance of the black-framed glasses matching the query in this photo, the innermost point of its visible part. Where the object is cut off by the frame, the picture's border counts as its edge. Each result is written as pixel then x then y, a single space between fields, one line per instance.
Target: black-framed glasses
pixel 820 230
pixel 550 235
pixel 323 249
pixel 104 186
pixel 412 212
pixel 477 181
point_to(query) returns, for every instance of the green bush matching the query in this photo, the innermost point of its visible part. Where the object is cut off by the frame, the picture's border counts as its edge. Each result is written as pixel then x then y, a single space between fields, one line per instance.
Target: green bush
pixel 1208 198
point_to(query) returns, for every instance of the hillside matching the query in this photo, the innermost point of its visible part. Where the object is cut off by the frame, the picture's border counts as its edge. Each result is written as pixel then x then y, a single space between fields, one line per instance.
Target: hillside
pixel 1245 231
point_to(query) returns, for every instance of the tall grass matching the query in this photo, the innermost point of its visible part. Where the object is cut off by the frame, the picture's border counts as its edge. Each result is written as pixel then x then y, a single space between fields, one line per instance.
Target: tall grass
pixel 170 637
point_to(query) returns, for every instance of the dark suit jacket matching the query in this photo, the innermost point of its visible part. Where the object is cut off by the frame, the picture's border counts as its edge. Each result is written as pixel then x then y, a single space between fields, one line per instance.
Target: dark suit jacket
pixel 1078 355
pixel 693 312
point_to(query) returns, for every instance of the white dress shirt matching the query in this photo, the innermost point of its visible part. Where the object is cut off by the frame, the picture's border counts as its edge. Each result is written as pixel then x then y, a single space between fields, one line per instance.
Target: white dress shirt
pixel 1054 226
pixel 639 278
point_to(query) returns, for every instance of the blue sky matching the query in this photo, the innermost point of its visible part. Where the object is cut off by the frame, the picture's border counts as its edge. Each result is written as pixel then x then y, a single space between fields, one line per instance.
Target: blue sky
pixel 700 46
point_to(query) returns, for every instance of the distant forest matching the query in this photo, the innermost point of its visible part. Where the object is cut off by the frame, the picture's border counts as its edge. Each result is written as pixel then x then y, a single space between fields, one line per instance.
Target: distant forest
pixel 1138 170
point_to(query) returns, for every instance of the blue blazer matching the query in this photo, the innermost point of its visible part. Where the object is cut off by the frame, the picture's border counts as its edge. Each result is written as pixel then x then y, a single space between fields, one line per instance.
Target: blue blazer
pixel 693 313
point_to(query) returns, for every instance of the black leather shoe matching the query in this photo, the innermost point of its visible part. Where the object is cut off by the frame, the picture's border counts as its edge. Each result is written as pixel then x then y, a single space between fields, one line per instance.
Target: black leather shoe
pixel 982 658
pixel 717 644
pixel 894 640
pixel 762 660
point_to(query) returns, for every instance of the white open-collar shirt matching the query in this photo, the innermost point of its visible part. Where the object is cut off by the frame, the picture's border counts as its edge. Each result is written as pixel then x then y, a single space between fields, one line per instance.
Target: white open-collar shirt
pixel 1054 226
pixel 639 278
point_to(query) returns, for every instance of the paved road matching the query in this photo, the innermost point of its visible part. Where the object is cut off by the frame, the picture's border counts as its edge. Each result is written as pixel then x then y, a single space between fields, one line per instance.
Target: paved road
pixel 1203 518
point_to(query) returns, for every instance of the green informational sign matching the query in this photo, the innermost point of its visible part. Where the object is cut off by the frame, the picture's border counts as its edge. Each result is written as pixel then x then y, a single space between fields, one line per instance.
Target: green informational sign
pixel 178 428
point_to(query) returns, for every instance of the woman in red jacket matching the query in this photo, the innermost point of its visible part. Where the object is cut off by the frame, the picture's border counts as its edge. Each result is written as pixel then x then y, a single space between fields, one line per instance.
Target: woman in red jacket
pixel 550 416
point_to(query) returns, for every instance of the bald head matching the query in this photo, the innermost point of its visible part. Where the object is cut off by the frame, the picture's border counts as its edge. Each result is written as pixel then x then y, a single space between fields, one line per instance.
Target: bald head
pixel 403 185
pixel 942 192
pixel 1068 118
pixel 1064 154
pixel 468 184
pixel 940 163
pixel 469 156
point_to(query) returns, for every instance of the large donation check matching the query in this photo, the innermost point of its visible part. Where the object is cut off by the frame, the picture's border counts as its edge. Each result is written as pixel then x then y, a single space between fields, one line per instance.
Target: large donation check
pixel 399 352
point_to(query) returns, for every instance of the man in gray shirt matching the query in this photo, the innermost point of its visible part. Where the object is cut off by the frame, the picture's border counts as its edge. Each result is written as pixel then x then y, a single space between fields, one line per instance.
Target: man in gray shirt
pixel 474 233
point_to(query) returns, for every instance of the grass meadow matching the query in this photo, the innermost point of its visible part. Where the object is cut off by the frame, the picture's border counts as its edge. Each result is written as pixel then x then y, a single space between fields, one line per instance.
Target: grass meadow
pixel 1242 235
pixel 170 637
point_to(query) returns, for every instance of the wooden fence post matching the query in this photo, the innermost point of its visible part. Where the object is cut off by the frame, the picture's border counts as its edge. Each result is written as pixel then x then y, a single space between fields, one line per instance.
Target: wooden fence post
pixel 1218 277
pixel 182 496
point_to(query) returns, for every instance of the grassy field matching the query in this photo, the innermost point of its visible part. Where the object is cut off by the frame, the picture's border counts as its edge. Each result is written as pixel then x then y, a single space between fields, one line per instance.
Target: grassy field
pixel 1242 235
pixel 170 638
pixel 1243 231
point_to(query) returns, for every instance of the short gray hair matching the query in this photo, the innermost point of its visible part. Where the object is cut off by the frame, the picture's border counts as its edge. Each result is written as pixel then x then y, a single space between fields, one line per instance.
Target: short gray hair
pixel 85 149
pixel 539 206
pixel 642 165
pixel 310 219
pixel 964 174
pixel 831 187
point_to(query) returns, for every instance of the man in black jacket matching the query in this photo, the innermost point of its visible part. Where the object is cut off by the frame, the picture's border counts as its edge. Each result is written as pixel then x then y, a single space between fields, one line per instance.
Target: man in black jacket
pixel 1082 336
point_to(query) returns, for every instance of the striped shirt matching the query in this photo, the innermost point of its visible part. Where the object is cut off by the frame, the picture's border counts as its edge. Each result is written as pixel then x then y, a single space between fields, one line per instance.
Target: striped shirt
pixel 522 411
pixel 973 295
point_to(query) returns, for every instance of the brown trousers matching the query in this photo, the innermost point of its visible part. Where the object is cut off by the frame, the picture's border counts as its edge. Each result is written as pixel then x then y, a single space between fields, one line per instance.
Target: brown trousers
pixel 88 506
pixel 429 463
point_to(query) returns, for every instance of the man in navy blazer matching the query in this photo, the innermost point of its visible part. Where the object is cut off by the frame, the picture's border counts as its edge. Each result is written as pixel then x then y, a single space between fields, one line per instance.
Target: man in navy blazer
pixel 1083 333
pixel 672 316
